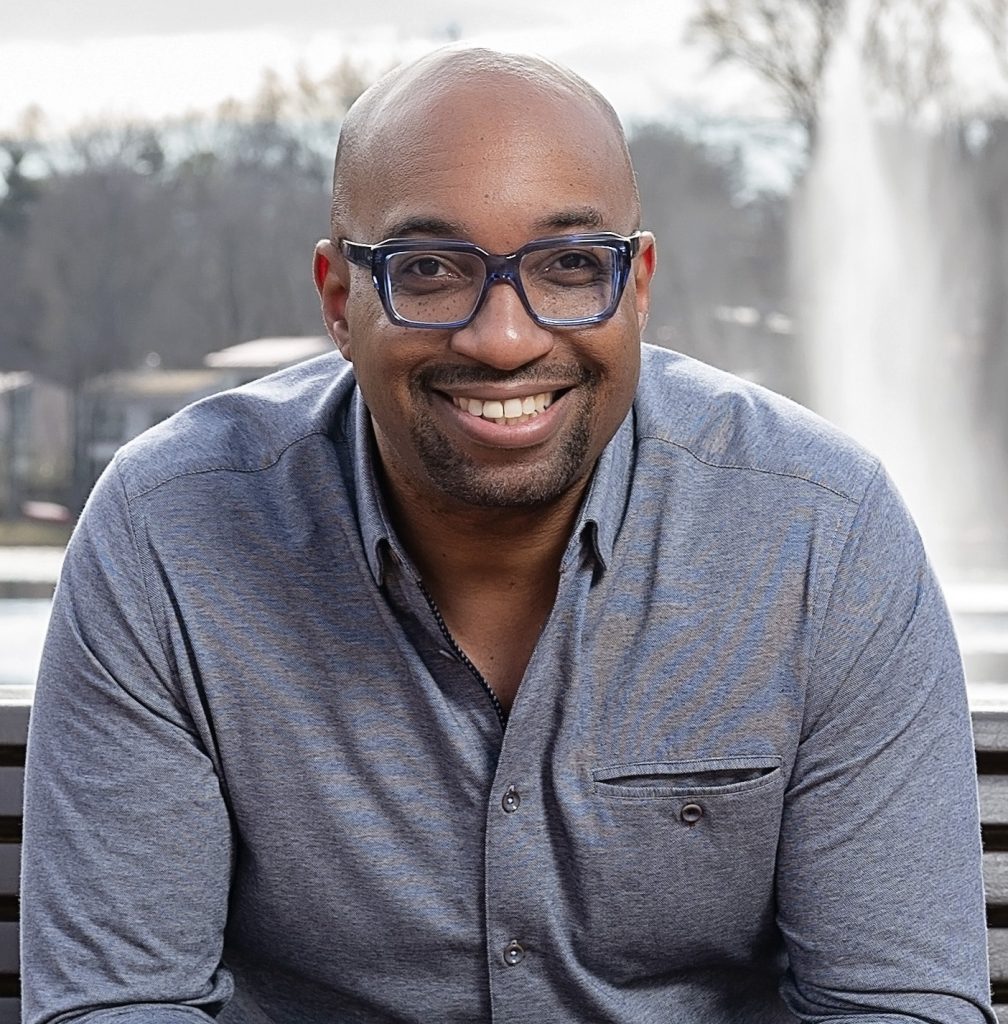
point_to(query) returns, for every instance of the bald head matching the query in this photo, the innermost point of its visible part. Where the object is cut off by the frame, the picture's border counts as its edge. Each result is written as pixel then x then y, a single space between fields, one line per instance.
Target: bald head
pixel 450 88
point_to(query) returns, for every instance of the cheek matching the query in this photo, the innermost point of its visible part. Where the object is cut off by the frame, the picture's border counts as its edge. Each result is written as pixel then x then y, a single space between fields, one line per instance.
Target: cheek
pixel 385 360
pixel 365 319
pixel 363 311
pixel 368 347
pixel 623 355
pixel 620 360
pixel 633 364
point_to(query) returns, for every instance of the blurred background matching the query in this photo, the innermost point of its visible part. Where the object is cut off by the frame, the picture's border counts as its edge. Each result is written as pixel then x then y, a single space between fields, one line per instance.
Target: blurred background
pixel 825 178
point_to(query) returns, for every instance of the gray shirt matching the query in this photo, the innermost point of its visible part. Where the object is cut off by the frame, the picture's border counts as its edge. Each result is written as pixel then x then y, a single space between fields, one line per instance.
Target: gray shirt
pixel 736 785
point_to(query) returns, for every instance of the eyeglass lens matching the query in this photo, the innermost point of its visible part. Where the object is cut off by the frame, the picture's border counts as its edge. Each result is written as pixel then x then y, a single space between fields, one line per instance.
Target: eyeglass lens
pixel 570 282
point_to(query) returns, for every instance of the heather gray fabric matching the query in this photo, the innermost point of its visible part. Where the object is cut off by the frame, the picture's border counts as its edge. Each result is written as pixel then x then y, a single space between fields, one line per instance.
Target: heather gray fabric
pixel 262 787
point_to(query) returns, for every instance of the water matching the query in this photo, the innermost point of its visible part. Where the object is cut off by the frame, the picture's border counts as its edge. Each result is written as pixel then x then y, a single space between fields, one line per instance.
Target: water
pixel 22 630
pixel 27 574
pixel 880 269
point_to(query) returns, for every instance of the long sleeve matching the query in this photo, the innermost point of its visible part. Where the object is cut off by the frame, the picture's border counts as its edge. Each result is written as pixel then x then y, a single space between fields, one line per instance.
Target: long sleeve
pixel 127 842
pixel 879 873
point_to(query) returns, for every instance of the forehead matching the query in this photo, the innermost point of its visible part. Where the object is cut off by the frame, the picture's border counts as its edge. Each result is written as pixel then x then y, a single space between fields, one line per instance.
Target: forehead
pixel 495 160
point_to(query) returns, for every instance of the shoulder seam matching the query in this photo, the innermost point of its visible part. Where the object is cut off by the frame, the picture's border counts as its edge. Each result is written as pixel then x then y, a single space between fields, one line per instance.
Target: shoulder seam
pixel 134 540
pixel 228 469
pixel 756 469
pixel 848 536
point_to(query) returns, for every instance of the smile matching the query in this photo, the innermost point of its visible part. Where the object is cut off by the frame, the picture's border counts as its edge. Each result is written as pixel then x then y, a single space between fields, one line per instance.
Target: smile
pixel 509 411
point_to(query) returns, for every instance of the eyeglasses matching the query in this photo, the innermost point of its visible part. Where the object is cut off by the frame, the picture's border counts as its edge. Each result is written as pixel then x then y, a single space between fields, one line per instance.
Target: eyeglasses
pixel 441 283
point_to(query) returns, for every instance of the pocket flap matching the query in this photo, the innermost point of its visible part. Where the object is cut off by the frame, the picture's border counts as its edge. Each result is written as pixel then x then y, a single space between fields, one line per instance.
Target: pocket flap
pixel 699 776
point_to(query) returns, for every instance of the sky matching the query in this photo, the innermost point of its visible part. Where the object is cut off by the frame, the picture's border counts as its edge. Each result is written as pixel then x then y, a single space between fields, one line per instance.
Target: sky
pixel 84 63
pixel 108 58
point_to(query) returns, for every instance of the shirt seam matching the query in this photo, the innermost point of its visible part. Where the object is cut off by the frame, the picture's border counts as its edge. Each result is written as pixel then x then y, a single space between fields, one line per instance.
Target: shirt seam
pixel 756 469
pixel 134 540
pixel 224 469
pixel 833 579
pixel 116 1012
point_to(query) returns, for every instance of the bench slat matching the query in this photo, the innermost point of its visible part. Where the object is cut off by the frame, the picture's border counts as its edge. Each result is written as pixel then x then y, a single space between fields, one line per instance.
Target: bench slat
pixel 11 791
pixel 994 799
pixel 10 961
pixel 990 731
pixel 995 874
pixel 10 869
pixel 13 724
pixel 997 941
pixel 996 879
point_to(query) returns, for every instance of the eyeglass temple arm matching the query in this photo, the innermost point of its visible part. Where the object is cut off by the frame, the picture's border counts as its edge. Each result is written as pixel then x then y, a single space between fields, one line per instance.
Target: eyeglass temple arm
pixel 358 252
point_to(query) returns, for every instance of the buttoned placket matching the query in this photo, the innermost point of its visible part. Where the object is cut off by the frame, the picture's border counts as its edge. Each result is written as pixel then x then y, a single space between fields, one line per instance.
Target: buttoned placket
pixel 518 957
pixel 516 912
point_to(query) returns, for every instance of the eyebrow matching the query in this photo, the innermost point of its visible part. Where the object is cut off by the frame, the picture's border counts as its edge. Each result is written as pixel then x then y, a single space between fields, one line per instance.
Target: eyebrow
pixel 437 227
pixel 577 217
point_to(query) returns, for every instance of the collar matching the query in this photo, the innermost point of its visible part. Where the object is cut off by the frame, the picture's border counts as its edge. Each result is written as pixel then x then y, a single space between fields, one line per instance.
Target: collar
pixel 375 526
pixel 594 531
pixel 605 503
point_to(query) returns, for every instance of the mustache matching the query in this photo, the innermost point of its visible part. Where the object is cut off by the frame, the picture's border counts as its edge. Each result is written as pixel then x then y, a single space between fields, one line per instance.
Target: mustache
pixel 439 377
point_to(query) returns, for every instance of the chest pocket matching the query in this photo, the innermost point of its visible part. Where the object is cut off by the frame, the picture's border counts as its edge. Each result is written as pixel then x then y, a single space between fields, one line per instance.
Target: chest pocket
pixel 700 777
pixel 677 870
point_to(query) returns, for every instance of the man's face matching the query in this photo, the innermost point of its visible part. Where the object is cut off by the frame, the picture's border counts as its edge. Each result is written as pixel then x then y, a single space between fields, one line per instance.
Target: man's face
pixel 499 168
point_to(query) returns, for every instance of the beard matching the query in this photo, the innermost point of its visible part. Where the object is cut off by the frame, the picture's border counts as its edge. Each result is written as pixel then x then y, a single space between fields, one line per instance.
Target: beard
pixel 523 485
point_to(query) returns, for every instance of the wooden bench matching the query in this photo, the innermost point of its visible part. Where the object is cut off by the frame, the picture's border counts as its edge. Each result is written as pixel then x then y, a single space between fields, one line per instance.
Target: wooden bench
pixel 991 735
pixel 13 733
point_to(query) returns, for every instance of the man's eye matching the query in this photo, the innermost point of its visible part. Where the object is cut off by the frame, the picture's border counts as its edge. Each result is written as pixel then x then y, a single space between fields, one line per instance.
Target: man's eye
pixel 427 266
pixel 569 267
pixel 430 265
pixel 426 273
pixel 575 261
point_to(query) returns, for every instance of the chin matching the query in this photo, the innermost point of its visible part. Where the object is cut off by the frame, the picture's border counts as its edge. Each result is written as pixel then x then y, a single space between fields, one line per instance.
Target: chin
pixel 520 486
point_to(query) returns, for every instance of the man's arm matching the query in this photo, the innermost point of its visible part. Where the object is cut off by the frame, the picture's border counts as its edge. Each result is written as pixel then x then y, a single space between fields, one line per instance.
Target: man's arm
pixel 879 877
pixel 127 840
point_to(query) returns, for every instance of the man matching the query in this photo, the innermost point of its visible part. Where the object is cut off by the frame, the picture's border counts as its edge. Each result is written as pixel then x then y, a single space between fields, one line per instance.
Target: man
pixel 490 674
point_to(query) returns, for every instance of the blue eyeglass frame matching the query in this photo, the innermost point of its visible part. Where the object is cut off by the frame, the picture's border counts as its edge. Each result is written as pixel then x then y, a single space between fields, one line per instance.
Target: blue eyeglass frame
pixel 499 268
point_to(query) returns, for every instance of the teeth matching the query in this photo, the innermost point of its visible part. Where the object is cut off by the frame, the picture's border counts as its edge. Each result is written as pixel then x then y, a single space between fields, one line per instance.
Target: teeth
pixel 511 411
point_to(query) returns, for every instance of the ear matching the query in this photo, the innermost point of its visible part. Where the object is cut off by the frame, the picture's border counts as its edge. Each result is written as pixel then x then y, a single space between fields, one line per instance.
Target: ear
pixel 643 270
pixel 332 281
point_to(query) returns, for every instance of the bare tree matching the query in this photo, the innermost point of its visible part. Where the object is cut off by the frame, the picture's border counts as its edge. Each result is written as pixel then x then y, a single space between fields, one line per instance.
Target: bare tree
pixel 991 16
pixel 785 42
pixel 906 45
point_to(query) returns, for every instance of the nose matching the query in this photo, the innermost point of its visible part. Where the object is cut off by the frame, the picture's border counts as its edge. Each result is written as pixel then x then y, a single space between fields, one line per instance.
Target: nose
pixel 502 334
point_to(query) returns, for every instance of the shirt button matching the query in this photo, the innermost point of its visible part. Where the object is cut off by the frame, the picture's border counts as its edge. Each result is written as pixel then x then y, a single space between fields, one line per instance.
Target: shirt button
pixel 514 953
pixel 512 800
pixel 691 813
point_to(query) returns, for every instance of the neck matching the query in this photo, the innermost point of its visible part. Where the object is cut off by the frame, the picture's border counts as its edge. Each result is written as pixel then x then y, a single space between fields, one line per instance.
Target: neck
pixel 452 543
pixel 493 572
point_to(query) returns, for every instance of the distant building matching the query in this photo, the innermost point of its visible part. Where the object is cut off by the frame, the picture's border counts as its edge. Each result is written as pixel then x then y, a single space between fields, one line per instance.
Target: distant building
pixel 116 407
pixel 35 441
pixel 251 360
